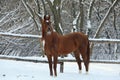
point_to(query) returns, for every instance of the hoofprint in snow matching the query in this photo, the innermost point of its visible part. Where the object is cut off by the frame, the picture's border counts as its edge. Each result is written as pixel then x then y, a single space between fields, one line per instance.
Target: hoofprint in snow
pixel 18 70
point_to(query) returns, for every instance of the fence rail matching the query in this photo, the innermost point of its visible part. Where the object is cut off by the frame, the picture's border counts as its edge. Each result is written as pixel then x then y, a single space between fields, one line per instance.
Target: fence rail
pixel 38 36
pixel 19 35
pixel 43 60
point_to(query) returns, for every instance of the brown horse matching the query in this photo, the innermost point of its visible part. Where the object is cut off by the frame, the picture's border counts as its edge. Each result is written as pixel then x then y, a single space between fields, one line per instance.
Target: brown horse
pixel 56 44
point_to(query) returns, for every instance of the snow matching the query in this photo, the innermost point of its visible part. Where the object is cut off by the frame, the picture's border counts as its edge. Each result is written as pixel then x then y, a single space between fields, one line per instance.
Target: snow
pixel 57 7
pixel 74 25
pixel 52 1
pixel 18 70
pixel 88 24
pixel 75 20
pixel 60 27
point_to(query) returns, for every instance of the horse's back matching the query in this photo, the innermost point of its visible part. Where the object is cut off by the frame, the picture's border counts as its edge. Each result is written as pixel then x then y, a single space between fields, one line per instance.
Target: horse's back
pixel 78 37
pixel 71 42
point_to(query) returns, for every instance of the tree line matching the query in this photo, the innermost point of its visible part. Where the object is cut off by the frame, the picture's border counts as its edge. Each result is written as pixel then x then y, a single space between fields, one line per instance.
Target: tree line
pixel 96 18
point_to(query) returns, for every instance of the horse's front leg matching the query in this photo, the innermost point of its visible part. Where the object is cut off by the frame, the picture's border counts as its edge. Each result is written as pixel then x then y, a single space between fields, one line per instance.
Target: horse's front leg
pixel 50 64
pixel 55 64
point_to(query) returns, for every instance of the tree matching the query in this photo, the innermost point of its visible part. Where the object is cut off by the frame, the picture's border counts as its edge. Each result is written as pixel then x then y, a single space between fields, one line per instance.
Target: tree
pixel 103 21
pixel 56 8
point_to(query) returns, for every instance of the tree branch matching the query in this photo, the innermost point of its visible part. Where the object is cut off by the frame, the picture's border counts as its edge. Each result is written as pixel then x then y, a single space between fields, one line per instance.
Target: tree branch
pixel 104 19
pixel 102 23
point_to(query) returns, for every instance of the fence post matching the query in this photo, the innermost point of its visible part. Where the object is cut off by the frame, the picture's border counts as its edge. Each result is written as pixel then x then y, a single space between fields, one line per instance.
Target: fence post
pixel 61 67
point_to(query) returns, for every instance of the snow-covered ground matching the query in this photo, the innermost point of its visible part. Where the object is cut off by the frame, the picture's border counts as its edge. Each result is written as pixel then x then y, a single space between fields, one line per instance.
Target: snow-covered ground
pixel 17 70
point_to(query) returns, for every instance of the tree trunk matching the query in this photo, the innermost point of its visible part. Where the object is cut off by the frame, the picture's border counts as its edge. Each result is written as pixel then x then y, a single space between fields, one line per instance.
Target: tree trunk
pixel 89 17
pixel 55 8
pixel 81 15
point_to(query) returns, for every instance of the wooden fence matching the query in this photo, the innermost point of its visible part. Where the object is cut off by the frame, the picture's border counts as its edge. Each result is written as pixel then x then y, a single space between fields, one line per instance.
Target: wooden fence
pixel 60 61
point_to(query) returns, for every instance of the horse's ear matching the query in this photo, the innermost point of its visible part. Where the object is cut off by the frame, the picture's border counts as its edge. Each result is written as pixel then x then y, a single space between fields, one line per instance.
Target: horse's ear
pixel 47 17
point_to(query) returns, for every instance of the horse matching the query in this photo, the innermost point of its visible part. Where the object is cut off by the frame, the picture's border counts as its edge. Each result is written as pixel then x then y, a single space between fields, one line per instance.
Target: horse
pixel 57 44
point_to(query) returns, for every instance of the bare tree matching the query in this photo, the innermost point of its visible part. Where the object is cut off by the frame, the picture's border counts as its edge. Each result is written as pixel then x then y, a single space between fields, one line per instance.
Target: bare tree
pixel 89 17
pixel 103 21
pixel 21 17
pixel 56 8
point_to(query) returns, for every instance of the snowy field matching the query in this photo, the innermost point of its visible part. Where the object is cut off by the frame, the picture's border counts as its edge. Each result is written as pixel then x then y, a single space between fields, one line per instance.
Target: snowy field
pixel 17 70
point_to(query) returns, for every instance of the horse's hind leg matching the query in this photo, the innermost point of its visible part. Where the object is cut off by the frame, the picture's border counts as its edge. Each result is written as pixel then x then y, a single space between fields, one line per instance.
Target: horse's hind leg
pixel 50 64
pixel 77 56
pixel 85 60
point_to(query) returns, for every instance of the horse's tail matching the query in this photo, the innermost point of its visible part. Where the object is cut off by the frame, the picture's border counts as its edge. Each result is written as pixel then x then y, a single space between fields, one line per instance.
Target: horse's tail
pixel 87 60
pixel 88 52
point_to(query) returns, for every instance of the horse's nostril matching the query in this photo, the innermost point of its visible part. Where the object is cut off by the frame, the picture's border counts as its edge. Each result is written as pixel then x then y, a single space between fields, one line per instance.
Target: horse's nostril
pixel 48 29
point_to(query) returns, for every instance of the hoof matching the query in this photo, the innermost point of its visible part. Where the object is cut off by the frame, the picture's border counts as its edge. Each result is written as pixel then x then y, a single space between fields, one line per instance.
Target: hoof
pixel 87 73
pixel 55 76
pixel 80 71
pixel 51 74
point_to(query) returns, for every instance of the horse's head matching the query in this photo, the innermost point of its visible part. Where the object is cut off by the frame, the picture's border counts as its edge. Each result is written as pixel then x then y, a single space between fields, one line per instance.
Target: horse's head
pixel 47 23
pixel 47 20
pixel 46 26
